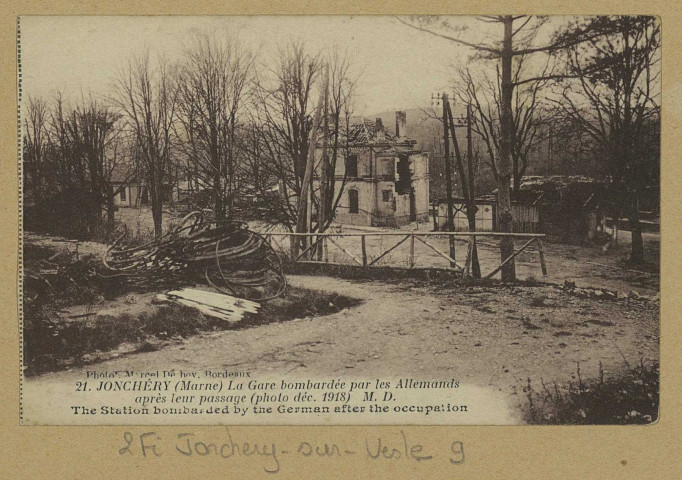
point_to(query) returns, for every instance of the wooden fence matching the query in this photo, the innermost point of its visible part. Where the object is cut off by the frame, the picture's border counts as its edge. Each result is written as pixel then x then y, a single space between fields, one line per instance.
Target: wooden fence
pixel 318 244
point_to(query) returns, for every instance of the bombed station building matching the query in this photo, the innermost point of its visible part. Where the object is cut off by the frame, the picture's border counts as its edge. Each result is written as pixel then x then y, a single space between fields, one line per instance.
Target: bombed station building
pixel 386 177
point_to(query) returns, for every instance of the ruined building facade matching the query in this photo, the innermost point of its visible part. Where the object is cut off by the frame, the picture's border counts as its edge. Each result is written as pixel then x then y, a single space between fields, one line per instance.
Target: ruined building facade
pixel 386 178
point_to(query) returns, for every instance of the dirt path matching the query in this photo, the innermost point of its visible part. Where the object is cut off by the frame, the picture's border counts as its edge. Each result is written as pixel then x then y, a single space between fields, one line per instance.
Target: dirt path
pixel 490 338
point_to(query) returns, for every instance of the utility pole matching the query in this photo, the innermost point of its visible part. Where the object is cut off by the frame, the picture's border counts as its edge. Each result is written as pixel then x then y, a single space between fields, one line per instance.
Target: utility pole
pixel 467 179
pixel 471 206
pixel 448 177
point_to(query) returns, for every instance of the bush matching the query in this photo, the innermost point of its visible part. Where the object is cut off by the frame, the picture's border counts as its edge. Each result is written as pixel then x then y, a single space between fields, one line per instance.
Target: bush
pixel 628 397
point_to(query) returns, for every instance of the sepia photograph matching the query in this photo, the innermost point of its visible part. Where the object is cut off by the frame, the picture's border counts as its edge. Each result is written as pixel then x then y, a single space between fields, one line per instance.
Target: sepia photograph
pixel 314 220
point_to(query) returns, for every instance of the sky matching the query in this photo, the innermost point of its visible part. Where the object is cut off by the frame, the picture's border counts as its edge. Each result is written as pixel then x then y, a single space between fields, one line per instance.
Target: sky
pixel 400 67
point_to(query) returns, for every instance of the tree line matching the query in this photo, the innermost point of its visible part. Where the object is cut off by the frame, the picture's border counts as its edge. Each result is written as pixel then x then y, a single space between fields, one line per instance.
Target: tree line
pixel 591 89
pixel 220 119
pixel 231 123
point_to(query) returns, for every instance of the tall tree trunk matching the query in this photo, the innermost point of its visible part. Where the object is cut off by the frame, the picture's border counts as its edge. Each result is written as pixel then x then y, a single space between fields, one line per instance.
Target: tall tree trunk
pixel 322 213
pixel 301 224
pixel 111 216
pixel 219 204
pixel 156 200
pixel 504 213
pixel 637 249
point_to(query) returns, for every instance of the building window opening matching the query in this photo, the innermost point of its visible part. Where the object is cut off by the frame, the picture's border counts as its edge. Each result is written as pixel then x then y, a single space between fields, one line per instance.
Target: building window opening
pixel 123 194
pixel 403 184
pixel 386 195
pixel 353 201
pixel 352 165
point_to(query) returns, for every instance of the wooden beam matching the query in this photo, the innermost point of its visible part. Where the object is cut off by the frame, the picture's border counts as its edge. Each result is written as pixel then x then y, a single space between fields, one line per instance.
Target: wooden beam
pixel 345 251
pixel 447 257
pixel 364 251
pixel 510 258
pixel 543 265
pixel 389 250
pixel 308 248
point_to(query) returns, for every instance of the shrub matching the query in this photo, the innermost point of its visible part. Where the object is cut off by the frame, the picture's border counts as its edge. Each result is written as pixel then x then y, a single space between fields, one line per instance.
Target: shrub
pixel 628 397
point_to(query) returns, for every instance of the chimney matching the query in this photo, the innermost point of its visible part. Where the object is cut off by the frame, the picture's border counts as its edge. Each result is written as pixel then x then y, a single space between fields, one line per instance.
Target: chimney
pixel 379 130
pixel 400 124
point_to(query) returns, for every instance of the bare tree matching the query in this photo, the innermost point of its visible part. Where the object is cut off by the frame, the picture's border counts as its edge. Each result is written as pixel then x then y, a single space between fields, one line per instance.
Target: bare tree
pixel 281 135
pixel 147 94
pixel 615 100
pixel 338 111
pixel 284 113
pixel 91 128
pixel 517 40
pixel 36 143
pixel 215 79
pixel 484 95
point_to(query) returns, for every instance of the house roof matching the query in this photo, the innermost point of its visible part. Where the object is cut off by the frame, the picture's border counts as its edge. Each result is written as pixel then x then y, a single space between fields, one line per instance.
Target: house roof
pixel 367 132
pixel 561 189
pixel 554 182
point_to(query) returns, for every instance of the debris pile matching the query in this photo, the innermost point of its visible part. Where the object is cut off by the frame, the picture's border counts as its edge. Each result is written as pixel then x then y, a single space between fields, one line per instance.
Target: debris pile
pixel 226 254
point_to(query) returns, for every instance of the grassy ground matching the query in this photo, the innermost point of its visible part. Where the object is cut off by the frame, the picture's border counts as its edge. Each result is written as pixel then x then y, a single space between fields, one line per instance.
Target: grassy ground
pixel 54 339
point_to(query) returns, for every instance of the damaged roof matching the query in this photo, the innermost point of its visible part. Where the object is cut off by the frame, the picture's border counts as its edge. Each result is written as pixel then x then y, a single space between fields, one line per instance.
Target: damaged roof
pixel 556 189
pixel 555 182
pixel 368 132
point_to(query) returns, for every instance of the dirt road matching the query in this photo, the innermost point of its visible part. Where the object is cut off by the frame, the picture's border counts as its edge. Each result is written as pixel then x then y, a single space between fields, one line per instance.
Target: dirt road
pixel 492 338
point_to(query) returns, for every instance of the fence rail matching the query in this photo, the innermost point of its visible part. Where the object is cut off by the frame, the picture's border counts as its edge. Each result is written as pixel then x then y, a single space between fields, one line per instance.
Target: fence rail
pixel 314 247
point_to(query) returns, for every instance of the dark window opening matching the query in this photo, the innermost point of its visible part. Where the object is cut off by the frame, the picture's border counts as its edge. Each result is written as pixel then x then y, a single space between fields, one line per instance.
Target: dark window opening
pixel 386 195
pixel 123 194
pixel 353 201
pixel 403 184
pixel 352 166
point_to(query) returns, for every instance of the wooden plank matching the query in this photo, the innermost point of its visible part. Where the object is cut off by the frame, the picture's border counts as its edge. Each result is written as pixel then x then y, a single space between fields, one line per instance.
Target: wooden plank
pixel 300 255
pixel 508 259
pixel 345 251
pixel 215 299
pixel 447 257
pixel 542 257
pixel 389 250
pixel 398 233
pixel 385 267
pixel 364 251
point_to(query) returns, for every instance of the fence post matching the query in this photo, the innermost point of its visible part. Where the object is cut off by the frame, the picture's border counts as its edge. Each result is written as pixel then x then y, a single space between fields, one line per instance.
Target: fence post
pixel 364 251
pixel 542 257
pixel 411 250
pixel 435 217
